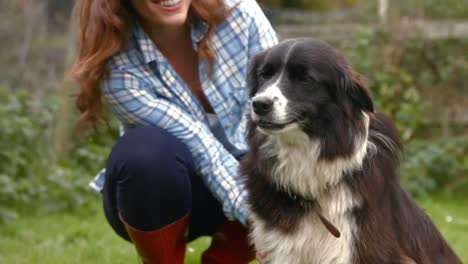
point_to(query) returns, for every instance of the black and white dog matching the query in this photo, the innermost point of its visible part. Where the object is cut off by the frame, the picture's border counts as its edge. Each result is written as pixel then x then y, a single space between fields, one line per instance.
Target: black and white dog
pixel 323 167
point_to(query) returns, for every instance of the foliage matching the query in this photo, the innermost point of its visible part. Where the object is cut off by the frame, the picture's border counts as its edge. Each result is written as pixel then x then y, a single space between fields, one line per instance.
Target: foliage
pixel 441 164
pixel 440 71
pixel 432 8
pixel 428 164
pixel 367 10
pixel 393 88
pixel 30 175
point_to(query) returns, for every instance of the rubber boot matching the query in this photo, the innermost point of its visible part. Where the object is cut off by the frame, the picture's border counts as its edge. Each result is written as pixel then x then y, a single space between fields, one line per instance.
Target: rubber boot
pixel 162 246
pixel 230 245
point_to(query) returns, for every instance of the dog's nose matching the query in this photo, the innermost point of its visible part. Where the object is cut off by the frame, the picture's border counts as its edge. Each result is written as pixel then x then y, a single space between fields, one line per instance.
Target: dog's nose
pixel 262 105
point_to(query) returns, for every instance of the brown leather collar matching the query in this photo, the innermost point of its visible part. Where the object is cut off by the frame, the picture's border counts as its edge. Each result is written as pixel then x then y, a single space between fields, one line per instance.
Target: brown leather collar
pixel 302 201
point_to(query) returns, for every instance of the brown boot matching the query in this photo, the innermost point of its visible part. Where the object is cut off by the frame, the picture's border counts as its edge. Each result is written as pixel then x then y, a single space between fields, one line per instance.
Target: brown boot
pixel 162 246
pixel 229 245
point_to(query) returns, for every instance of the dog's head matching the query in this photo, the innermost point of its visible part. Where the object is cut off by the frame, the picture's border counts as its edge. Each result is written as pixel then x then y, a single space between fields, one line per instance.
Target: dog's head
pixel 306 84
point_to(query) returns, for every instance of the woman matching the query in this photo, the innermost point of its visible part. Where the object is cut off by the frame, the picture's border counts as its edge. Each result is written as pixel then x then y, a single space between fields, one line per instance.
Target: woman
pixel 173 72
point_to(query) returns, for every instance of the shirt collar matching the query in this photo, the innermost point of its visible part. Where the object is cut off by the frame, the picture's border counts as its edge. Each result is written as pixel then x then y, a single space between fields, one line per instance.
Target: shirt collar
pixel 151 53
pixel 147 47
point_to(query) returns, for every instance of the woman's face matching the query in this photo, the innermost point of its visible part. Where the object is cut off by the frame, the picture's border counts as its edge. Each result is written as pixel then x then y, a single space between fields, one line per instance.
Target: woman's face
pixel 162 12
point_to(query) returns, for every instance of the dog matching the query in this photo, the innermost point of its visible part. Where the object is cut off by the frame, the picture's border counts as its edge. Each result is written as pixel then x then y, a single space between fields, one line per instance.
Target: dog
pixel 323 166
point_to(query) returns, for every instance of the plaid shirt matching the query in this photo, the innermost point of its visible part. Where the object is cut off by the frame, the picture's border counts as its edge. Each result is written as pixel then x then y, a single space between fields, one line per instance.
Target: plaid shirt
pixel 143 89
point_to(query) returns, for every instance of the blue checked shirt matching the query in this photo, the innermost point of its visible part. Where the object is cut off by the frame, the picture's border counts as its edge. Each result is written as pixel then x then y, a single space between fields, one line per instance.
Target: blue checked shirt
pixel 143 89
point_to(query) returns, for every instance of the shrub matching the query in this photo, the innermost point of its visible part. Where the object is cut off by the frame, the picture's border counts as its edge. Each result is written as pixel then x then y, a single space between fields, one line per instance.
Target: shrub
pixel 393 87
pixel 30 174
pixel 436 164
pixel 429 164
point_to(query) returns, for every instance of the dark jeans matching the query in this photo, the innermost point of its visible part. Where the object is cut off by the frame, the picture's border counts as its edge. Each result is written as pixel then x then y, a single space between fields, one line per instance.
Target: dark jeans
pixel 151 182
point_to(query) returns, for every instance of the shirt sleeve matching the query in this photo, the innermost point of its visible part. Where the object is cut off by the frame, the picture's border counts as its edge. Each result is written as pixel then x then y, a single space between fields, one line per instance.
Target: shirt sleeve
pixel 261 34
pixel 127 97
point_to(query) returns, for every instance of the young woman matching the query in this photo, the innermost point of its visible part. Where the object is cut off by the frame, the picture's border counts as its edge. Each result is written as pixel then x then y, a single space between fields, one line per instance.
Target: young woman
pixel 173 72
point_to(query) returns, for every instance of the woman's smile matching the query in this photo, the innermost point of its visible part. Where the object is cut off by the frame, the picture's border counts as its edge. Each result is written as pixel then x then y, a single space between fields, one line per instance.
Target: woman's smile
pixel 169 5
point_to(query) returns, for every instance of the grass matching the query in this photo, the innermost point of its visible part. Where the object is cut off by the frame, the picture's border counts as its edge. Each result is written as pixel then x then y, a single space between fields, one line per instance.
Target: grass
pixel 87 238
pixel 62 238
pixel 451 217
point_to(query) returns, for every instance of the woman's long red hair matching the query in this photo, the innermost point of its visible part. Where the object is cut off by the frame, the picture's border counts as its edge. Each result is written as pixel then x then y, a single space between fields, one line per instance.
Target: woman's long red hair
pixel 104 29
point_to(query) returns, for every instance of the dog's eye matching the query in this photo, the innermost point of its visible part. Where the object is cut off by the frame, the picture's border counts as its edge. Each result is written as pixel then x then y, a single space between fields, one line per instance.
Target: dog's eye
pixel 299 73
pixel 266 72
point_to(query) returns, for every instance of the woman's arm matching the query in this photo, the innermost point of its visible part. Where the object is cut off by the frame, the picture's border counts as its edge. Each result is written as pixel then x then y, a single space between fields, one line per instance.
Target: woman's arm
pixel 261 33
pixel 128 99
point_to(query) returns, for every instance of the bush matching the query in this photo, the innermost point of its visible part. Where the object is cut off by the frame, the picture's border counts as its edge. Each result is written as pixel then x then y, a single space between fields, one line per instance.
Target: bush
pixel 436 165
pixel 432 8
pixel 365 9
pixel 429 164
pixel 31 176
pixel 393 88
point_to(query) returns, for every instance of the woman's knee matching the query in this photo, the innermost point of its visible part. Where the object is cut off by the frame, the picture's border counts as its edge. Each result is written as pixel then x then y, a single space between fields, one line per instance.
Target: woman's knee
pixel 149 149
pixel 151 170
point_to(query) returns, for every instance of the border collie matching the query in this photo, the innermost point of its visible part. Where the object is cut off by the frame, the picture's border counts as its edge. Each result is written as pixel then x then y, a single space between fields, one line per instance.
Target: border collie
pixel 323 167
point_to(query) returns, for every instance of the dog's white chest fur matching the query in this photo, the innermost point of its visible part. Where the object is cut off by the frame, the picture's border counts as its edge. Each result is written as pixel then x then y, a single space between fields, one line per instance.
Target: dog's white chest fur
pixel 311 243
pixel 299 170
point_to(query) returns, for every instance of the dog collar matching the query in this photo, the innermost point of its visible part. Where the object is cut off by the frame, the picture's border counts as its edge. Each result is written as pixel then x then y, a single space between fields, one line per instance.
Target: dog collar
pixel 303 201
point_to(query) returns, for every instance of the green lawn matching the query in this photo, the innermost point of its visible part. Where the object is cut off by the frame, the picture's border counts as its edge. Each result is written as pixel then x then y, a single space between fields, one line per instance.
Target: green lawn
pixel 86 238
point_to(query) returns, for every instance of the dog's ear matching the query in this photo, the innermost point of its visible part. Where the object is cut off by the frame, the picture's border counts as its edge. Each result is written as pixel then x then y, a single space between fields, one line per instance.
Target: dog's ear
pixel 357 91
pixel 252 73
